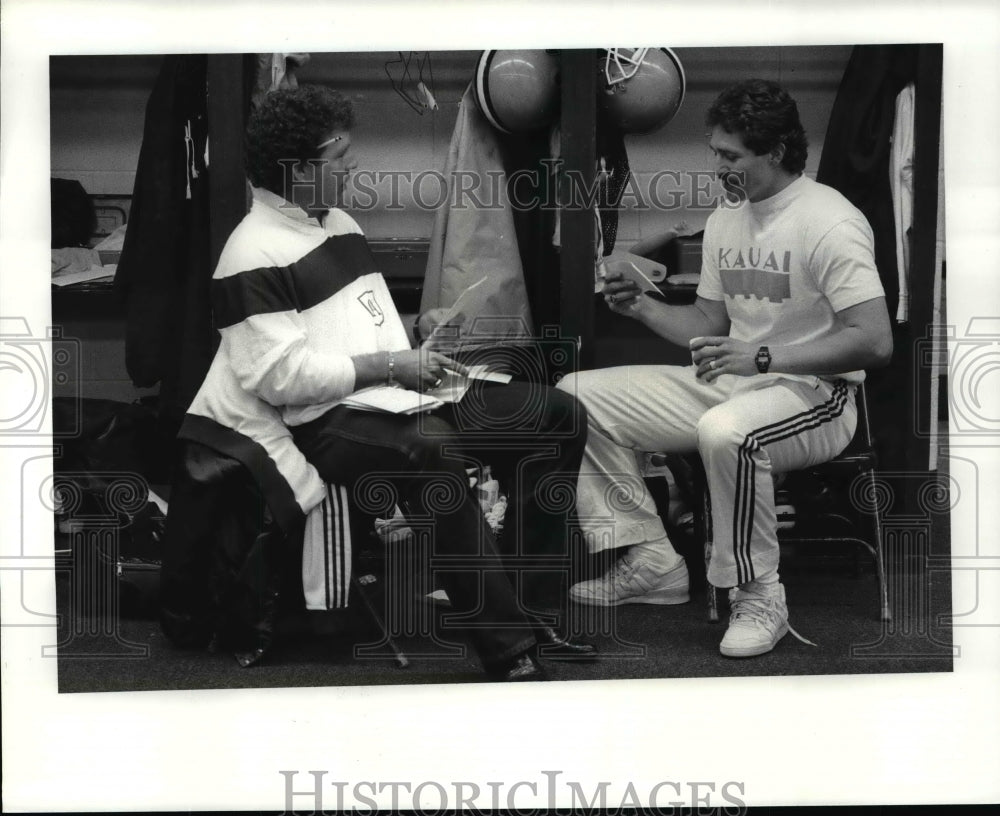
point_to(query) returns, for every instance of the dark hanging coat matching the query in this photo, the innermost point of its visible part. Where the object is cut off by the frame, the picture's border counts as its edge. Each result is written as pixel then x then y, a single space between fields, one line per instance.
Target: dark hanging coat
pixel 855 161
pixel 164 271
pixel 858 145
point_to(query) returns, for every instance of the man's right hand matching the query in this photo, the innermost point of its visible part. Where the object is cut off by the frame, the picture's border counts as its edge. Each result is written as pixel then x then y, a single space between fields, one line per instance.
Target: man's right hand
pixel 623 296
pixel 422 370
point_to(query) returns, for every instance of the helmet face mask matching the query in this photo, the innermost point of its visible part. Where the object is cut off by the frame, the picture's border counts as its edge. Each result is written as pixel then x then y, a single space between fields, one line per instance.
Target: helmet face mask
pixel 644 88
pixel 518 91
pixel 621 64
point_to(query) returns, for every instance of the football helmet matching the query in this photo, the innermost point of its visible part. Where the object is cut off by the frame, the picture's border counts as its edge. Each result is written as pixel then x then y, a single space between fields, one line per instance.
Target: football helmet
pixel 642 88
pixel 518 91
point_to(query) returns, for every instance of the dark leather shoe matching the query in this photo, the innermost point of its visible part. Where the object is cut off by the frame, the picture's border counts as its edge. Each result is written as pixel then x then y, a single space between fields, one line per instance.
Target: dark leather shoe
pixel 521 669
pixel 553 645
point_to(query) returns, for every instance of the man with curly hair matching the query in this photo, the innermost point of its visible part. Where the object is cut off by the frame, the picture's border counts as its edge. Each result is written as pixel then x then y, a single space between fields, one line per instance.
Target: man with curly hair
pixel 789 313
pixel 306 320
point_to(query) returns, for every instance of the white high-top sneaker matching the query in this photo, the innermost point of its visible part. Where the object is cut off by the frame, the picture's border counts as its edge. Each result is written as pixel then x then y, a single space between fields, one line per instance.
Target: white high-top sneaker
pixel 633 580
pixel 758 619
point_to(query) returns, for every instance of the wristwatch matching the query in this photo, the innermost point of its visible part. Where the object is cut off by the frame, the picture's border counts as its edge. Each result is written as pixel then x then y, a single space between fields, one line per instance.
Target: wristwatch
pixel 763 359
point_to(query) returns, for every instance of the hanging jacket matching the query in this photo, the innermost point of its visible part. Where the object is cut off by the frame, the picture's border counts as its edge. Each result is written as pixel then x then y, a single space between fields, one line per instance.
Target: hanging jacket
pixel 164 272
pixel 856 152
pixel 471 242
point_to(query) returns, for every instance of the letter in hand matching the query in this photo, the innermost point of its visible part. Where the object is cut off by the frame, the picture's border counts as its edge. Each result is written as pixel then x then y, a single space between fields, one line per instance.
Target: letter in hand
pixel 444 324
pixel 621 294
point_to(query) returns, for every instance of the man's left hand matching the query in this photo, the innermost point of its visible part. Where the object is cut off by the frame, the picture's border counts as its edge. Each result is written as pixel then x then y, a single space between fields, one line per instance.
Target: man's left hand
pixel 722 355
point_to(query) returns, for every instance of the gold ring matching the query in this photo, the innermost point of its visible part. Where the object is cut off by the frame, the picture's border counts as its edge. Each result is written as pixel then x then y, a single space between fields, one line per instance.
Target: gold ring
pixel 711 365
pixel 437 382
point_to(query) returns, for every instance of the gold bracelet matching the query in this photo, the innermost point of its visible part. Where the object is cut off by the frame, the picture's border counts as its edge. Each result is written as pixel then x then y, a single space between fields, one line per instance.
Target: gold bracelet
pixel 392 364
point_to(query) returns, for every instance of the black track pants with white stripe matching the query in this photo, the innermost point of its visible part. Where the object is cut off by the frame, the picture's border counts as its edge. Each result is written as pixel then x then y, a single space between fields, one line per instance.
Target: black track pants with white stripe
pixel 745 428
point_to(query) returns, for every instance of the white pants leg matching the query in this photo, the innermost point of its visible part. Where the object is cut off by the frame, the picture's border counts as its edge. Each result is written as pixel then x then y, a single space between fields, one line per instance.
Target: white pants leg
pixel 632 410
pixel 765 427
pixel 745 428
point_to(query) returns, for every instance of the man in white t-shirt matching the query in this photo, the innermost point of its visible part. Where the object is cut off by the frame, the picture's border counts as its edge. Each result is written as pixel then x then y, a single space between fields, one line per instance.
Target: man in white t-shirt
pixel 789 313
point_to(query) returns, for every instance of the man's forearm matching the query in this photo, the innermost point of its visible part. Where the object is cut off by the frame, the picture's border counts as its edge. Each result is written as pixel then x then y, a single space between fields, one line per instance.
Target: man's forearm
pixel 862 339
pixel 679 324
pixel 849 349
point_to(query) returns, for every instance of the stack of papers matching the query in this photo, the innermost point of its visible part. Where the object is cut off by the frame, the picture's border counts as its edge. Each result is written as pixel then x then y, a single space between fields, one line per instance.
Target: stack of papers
pixel 93 274
pixel 388 399
pixel 396 400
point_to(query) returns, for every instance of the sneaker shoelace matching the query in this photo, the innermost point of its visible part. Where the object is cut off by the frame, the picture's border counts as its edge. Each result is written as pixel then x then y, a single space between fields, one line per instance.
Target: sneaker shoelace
pixel 623 570
pixel 803 639
pixel 756 608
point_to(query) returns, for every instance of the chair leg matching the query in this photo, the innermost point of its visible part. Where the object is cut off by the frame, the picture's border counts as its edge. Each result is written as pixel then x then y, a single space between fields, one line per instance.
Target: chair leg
pixel 705 528
pixel 878 550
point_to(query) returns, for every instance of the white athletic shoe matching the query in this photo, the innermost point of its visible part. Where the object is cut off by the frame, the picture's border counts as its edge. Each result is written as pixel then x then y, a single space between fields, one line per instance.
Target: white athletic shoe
pixel 758 619
pixel 634 580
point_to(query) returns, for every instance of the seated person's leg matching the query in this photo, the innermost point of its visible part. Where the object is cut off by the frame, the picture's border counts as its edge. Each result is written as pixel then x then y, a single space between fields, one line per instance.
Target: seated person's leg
pixel 223 561
pixel 742 443
pixel 347 446
pixel 532 437
pixel 196 497
pixel 632 410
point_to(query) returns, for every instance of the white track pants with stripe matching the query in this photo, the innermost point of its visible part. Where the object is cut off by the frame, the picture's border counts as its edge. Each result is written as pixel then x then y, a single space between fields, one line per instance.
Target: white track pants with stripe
pixel 745 428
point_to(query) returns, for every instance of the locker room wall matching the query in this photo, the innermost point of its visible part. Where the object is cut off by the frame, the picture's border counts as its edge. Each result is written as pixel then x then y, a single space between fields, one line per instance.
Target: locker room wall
pixel 98 102
pixel 97 107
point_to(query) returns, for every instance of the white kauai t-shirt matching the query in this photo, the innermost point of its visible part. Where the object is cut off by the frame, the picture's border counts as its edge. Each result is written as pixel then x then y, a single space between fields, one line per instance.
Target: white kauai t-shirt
pixel 786 265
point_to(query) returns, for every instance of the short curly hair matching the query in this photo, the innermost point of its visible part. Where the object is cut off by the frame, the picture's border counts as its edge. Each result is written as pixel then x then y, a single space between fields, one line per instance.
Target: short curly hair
pixel 287 125
pixel 764 115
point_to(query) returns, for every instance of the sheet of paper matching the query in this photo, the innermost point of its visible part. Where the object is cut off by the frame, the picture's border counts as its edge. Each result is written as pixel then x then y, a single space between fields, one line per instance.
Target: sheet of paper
pixel 391 400
pixel 630 269
pixel 482 372
pixel 92 274
pixel 445 334
pixel 454 385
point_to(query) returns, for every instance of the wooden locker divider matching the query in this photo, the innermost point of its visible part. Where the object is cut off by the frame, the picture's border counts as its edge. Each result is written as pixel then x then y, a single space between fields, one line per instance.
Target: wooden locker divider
pixel 578 238
pixel 227 108
pixel 927 136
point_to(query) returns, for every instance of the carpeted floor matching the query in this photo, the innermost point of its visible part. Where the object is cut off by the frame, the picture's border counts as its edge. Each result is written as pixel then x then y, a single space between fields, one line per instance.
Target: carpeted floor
pixel 832 598
pixel 829 604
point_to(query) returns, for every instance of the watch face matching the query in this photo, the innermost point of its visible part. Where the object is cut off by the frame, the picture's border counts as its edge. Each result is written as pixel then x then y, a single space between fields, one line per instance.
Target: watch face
pixel 763 360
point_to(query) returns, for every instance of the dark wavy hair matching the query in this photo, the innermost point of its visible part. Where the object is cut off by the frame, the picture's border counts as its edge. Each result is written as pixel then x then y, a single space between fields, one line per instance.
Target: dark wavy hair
pixel 287 125
pixel 763 114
